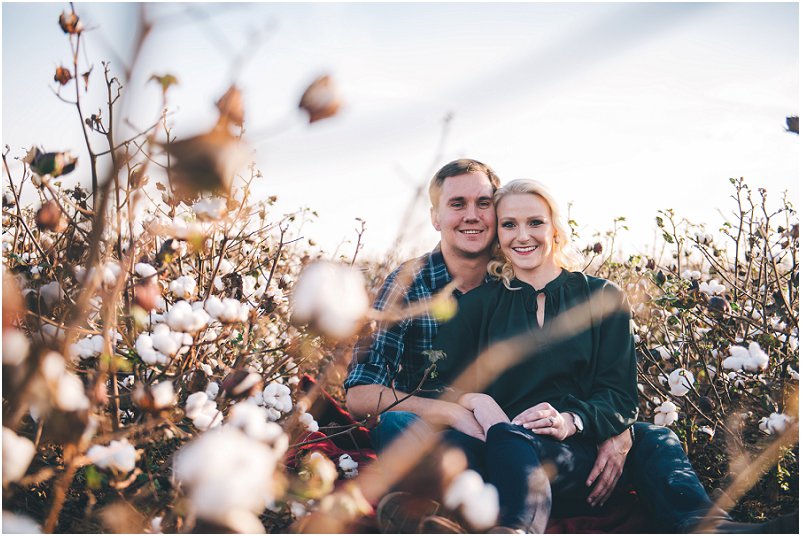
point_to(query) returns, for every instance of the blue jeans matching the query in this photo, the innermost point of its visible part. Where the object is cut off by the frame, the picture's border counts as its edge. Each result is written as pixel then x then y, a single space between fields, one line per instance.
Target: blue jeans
pixel 512 459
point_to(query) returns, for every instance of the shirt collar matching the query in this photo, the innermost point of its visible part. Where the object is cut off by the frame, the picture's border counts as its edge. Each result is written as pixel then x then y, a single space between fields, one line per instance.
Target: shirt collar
pixel 550 287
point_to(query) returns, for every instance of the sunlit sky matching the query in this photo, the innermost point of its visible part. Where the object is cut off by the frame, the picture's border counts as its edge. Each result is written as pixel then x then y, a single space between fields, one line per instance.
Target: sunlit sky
pixel 622 109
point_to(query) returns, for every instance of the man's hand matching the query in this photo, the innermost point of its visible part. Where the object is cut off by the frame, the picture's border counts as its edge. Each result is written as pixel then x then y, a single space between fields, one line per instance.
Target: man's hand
pixel 608 467
pixel 543 419
pixel 485 410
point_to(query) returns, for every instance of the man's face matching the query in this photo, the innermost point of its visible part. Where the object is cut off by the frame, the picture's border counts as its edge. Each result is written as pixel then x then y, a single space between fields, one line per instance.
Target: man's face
pixel 465 215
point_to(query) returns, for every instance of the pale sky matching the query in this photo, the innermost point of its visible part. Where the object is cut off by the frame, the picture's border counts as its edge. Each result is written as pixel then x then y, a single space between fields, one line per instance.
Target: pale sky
pixel 622 109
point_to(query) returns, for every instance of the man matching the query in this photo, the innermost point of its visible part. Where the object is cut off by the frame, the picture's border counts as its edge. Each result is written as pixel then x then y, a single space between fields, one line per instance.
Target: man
pixel 391 365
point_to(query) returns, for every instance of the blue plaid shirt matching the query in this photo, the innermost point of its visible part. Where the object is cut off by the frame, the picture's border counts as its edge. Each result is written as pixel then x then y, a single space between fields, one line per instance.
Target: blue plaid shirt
pixel 394 356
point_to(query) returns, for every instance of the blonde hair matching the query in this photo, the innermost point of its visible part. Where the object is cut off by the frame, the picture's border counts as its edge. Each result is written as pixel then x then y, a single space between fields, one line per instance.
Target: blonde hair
pixel 565 254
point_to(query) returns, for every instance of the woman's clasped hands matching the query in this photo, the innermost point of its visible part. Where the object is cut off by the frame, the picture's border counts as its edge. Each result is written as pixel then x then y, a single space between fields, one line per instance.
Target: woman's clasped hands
pixel 546 420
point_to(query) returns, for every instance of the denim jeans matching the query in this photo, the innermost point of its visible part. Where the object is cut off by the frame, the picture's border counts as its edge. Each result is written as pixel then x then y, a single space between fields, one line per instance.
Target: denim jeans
pixel 513 460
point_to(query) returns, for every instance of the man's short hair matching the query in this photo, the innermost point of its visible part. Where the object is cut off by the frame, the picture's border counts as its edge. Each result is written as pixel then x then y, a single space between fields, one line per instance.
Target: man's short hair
pixel 463 166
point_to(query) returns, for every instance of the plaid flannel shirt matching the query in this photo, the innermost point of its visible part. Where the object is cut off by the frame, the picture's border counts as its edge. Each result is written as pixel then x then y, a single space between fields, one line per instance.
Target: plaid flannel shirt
pixel 394 355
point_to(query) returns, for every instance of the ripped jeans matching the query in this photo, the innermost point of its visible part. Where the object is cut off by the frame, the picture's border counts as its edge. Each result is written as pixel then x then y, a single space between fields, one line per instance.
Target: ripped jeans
pixel 516 461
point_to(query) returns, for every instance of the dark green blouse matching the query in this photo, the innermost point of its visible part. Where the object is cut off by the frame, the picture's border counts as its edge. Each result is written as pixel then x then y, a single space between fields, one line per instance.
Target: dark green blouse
pixel 592 373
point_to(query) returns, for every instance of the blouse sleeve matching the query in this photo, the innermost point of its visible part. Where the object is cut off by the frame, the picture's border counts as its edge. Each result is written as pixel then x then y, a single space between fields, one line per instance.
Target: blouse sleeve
pixel 611 404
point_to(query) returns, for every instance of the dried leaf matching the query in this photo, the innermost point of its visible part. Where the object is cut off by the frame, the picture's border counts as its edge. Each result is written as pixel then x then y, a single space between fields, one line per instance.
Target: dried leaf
pixel 321 99
pixel 50 217
pixel 85 77
pixel 205 163
pixel 62 76
pixel 231 107
pixel 70 23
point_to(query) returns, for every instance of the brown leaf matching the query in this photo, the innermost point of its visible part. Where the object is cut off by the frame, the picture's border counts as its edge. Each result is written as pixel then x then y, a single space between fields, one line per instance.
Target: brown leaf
pixel 321 99
pixel 231 107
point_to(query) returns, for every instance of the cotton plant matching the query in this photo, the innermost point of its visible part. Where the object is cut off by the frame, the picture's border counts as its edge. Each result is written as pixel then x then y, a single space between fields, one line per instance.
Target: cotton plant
pixel 16 347
pixel 252 420
pixel 275 398
pixel 183 287
pixel 202 411
pixel 692 275
pixel 227 310
pixel 119 456
pixel 158 347
pixel 51 293
pixel 751 359
pixel 680 382
pixel 476 500
pixel 186 317
pixel 18 453
pixel 349 466
pixel 775 423
pixel 666 414
pixel 712 288
pixel 65 390
pixel 331 297
pixel 210 209
pixel 19 524
pixel 227 477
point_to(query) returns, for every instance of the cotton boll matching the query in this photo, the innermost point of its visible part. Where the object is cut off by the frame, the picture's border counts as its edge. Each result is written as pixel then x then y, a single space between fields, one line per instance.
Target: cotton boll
pixel 119 456
pixel 19 524
pixel 15 347
pixel 212 390
pixel 224 471
pixel 195 403
pixel 70 394
pixel 183 287
pixel 182 317
pixel 202 411
pixel 227 310
pixel 712 288
pixel 707 430
pixel 349 466
pixel 17 455
pixel 163 394
pixel 51 293
pixel 775 424
pixel 477 501
pixel 252 420
pixel 759 360
pixel 331 297
pixel 666 414
pixel 680 382
pixel 209 209
pixel 88 347
pixel 307 420
pixel 142 269
pixel 664 353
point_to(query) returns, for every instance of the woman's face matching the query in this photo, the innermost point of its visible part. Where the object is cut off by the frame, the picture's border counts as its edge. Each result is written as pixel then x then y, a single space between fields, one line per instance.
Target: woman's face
pixel 526 232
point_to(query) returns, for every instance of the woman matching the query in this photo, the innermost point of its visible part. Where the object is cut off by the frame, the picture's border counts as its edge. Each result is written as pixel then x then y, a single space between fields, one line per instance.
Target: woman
pixel 573 387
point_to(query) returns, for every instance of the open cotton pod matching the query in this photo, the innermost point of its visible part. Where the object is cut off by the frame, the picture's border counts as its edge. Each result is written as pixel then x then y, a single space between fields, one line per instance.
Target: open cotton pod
pixel 331 298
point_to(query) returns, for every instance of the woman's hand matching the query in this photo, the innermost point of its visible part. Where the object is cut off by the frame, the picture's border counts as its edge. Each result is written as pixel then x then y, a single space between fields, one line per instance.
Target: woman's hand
pixel 545 420
pixel 484 408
